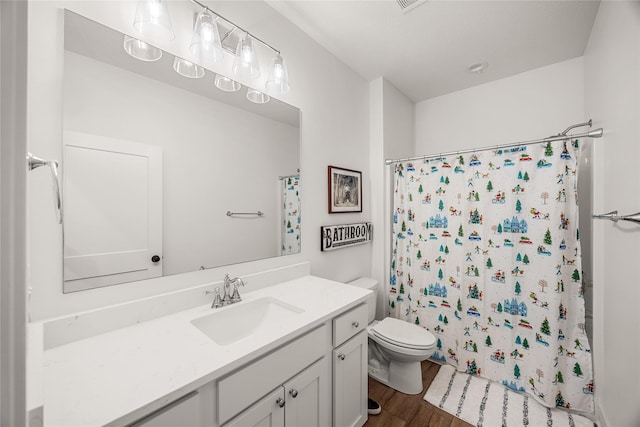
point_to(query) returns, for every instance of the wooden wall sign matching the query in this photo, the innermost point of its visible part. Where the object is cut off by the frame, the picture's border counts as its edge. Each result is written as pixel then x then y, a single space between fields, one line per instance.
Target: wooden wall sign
pixel 342 236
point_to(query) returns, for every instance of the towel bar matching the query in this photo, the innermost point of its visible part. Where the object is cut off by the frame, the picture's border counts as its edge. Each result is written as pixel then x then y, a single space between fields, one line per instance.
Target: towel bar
pixel 258 213
pixel 613 216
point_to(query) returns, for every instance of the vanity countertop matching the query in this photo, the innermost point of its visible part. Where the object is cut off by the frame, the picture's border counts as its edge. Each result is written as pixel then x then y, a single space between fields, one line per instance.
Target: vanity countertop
pixel 118 376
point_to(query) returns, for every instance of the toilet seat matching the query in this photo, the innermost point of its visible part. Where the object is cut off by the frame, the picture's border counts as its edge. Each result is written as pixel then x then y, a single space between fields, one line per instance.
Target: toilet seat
pixel 403 334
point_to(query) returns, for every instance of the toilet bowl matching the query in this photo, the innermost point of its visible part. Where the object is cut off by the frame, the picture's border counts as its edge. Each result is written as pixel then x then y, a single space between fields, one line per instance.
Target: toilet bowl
pixel 396 347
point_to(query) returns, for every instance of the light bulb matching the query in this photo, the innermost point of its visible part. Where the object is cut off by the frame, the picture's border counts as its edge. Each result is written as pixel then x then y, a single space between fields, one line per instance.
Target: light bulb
pixel 152 19
pixel 207 32
pixel 205 42
pixel 154 10
pixel 278 81
pixel 247 55
pixel 246 62
pixel 278 72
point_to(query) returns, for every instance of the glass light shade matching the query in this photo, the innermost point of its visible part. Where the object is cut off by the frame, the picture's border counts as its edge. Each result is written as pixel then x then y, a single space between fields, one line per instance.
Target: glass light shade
pixel 257 96
pixel 141 50
pixel 187 68
pixel 278 81
pixel 226 84
pixel 246 62
pixel 152 19
pixel 205 42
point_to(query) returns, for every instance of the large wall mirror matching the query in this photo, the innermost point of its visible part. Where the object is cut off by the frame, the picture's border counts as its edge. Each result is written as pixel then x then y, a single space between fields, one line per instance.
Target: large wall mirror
pixel 164 174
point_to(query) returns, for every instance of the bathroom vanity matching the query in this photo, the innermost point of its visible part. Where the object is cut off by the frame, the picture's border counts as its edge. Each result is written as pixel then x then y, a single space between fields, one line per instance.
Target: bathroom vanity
pixel 292 354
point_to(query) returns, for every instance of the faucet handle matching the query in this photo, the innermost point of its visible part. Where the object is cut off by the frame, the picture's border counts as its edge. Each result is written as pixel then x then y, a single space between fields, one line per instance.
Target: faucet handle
pixel 236 294
pixel 217 301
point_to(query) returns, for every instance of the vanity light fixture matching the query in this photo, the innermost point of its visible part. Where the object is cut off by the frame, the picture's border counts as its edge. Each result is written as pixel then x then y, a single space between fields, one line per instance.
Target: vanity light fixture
pixel 205 42
pixel 246 61
pixel 226 84
pixel 152 19
pixel 187 68
pixel 257 97
pixel 141 50
pixel 279 77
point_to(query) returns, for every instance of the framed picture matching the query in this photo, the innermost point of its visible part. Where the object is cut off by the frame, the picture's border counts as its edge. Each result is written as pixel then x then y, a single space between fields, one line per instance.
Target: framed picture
pixel 345 190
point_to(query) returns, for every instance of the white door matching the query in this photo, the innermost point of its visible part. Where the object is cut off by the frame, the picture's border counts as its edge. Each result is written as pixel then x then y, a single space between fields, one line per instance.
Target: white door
pixel 112 202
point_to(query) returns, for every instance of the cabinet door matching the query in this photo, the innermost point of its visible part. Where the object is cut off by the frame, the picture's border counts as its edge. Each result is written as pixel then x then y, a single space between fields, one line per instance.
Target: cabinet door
pixel 350 382
pixel 308 397
pixel 268 412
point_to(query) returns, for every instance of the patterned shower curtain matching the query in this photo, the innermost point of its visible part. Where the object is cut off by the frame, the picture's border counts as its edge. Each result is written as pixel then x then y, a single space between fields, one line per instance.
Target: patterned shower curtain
pixel 290 237
pixel 486 256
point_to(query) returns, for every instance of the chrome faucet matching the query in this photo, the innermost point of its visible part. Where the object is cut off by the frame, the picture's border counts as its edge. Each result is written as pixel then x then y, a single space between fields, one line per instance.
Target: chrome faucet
pixel 229 297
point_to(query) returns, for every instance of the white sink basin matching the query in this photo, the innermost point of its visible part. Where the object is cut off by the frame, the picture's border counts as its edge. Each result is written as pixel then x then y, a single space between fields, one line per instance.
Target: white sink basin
pixel 232 323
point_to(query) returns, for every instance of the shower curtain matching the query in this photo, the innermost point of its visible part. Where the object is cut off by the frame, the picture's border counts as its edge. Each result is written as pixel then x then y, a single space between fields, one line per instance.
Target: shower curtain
pixel 290 235
pixel 486 256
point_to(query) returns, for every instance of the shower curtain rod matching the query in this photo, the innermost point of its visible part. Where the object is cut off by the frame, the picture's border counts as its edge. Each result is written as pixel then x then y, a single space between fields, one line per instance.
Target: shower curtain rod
pixel 289 176
pixel 596 133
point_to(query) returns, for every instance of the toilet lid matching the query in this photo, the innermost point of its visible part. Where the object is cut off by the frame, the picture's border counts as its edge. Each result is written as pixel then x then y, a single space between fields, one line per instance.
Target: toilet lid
pixel 403 334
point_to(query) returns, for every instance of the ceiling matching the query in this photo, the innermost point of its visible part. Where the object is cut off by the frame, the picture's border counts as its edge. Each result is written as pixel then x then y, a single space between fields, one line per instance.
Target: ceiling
pixel 425 51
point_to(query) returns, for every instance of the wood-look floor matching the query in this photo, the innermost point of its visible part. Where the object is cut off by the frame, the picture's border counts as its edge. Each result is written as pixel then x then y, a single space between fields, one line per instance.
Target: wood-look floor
pixel 404 410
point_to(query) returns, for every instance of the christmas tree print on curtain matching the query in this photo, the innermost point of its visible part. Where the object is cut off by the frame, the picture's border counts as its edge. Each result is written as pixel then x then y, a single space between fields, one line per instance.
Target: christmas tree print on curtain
pixel 486 255
pixel 290 215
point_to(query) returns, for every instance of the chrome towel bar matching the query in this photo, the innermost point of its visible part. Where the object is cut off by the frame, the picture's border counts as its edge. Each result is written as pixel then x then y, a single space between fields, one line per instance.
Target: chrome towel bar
pixel 613 216
pixel 258 213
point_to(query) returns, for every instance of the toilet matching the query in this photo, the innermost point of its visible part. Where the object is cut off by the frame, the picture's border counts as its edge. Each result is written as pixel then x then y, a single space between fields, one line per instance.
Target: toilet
pixel 396 347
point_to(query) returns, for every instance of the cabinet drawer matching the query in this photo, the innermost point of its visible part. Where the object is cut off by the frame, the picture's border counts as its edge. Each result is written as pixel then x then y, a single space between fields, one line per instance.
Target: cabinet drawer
pixel 184 412
pixel 241 389
pixel 350 323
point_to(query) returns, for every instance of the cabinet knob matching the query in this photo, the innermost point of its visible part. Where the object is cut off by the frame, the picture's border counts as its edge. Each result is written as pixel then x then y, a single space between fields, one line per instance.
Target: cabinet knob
pixel 280 402
pixel 293 392
pixel 155 259
pixel 355 324
pixel 341 356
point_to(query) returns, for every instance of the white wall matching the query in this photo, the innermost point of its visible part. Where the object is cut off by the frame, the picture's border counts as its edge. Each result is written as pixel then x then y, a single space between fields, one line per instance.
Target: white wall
pixel 14 403
pixel 612 99
pixel 526 106
pixel 216 158
pixel 334 131
pixel 391 122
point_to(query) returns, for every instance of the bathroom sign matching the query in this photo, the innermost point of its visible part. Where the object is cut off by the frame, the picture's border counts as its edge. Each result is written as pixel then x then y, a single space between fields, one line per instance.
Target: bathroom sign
pixel 341 236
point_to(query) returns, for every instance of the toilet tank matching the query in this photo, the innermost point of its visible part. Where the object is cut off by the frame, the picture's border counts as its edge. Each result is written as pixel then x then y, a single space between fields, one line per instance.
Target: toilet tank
pixel 372 285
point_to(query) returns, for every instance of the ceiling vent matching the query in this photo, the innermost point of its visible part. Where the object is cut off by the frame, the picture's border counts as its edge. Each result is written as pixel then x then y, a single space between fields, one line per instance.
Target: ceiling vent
pixel 408 5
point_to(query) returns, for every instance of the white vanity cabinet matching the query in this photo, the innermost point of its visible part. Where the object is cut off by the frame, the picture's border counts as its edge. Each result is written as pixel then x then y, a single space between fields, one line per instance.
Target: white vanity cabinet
pixel 290 385
pixel 301 401
pixel 350 368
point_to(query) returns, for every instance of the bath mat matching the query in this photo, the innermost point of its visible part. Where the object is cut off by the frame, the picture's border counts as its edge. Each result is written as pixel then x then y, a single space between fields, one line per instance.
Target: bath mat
pixel 481 402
